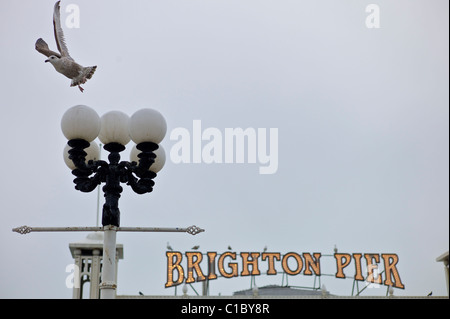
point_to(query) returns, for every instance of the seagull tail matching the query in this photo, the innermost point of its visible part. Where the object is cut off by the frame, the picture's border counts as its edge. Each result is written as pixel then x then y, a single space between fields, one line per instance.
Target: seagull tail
pixel 89 71
pixel 85 74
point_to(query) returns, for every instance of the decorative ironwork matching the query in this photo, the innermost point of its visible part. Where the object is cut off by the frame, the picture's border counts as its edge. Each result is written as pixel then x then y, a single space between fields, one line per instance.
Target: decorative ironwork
pixel 89 175
pixel 194 230
pixel 108 285
pixel 23 230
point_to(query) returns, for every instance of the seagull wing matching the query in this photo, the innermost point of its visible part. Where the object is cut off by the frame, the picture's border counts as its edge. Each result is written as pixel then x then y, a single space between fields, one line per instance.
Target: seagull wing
pixel 59 35
pixel 42 47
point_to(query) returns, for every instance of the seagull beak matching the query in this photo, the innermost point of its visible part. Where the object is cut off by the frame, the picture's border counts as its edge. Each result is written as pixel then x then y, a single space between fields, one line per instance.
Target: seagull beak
pixel 47 60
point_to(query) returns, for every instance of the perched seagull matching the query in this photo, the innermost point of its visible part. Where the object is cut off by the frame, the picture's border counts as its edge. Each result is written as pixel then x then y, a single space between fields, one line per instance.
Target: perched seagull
pixel 169 247
pixel 196 247
pixel 62 61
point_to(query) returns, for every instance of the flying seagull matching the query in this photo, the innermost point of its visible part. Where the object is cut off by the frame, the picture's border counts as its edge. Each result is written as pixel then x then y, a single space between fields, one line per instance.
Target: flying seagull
pixel 62 61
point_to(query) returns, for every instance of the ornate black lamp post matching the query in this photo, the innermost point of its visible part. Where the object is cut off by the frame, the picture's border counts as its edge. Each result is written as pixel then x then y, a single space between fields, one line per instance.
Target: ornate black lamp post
pixel 81 125
pixel 147 127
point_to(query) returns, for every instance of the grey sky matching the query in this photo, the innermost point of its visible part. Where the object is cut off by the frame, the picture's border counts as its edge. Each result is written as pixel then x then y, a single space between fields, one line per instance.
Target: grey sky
pixel 362 116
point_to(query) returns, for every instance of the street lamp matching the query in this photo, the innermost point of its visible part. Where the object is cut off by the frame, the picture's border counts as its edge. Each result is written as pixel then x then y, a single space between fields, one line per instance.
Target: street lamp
pixel 81 125
pixel 147 128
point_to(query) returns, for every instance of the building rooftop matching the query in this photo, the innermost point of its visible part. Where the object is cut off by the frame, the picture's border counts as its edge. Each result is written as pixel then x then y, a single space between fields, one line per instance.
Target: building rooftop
pixel 274 290
pixel 93 241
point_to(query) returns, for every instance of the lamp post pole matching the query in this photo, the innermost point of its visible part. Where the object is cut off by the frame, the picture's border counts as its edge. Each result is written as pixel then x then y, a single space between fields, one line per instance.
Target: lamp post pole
pixel 108 285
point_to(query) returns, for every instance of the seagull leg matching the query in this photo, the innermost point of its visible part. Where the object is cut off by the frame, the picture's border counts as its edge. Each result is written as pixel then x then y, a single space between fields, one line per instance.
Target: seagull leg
pixel 81 89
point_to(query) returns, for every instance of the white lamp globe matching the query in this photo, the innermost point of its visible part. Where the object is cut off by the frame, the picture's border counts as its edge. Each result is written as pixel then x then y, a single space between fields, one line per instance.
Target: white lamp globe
pixel 80 122
pixel 114 128
pixel 93 153
pixel 160 159
pixel 147 125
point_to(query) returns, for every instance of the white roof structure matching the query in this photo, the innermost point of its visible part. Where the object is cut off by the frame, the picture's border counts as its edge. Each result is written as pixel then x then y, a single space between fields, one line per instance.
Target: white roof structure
pixel 444 258
pixel 91 242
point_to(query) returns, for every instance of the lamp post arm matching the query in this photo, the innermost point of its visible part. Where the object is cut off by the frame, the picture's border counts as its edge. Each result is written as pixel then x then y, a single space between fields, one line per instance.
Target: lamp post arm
pixel 141 185
pixel 87 184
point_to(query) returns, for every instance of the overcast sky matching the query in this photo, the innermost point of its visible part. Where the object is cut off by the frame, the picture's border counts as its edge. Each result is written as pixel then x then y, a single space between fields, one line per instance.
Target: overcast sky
pixel 361 114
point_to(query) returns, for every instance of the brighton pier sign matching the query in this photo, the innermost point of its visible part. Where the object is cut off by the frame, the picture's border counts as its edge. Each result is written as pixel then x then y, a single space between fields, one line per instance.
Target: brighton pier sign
pixel 366 266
